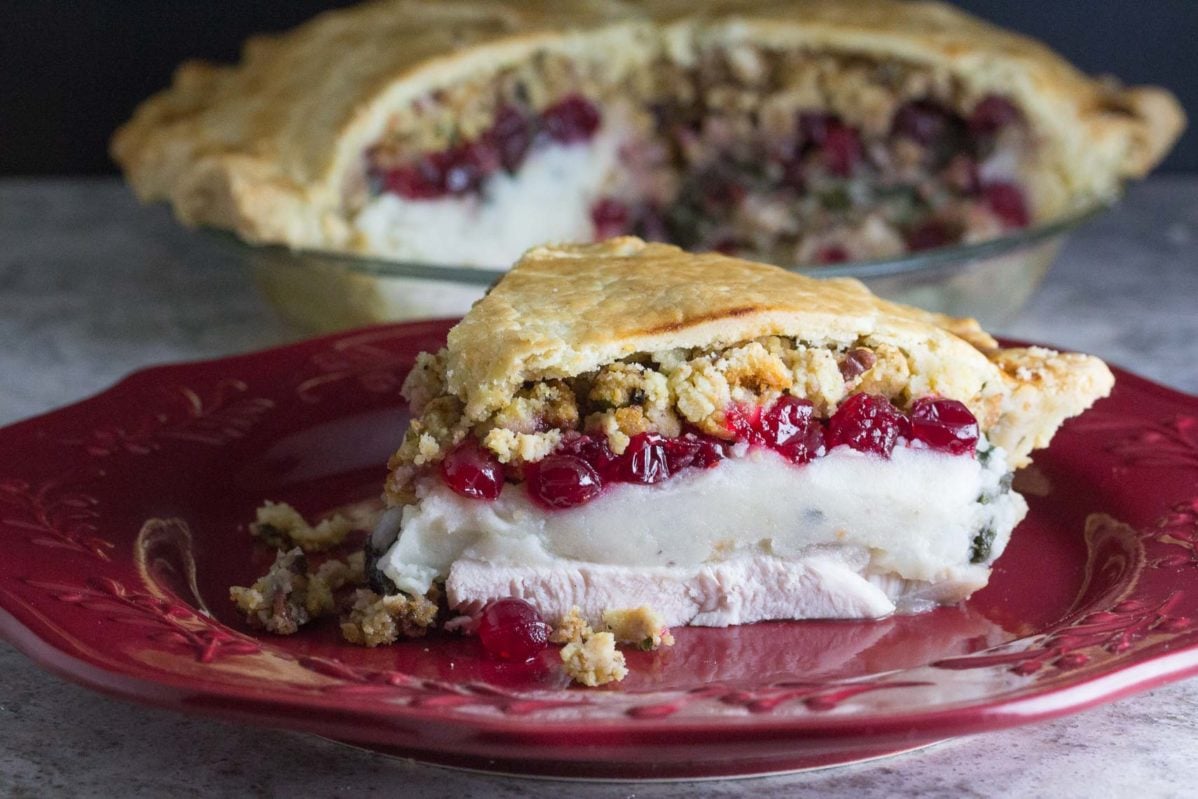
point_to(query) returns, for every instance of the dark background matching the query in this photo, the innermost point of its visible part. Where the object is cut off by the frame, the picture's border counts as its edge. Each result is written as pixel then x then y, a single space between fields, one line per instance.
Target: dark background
pixel 72 70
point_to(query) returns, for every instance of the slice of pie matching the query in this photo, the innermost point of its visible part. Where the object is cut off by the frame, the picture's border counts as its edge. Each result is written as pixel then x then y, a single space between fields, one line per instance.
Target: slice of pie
pixel 463 132
pixel 626 424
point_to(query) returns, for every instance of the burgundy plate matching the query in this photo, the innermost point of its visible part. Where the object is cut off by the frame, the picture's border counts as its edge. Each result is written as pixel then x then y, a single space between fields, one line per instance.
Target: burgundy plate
pixel 122 521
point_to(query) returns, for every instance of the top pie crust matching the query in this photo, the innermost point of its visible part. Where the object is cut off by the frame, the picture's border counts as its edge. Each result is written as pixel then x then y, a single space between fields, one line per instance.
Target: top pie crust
pixel 565 310
pixel 265 147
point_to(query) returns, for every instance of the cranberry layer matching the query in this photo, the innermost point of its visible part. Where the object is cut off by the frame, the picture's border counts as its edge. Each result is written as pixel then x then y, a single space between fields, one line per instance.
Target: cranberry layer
pixel 583 465
pixel 465 167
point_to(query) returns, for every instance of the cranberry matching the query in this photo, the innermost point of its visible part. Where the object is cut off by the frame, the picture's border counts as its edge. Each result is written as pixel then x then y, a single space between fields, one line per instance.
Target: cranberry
pixel 610 218
pixel 645 461
pixel 696 450
pixel 562 480
pixel 790 427
pixel 1007 202
pixel 831 254
pixel 962 174
pixel 466 166
pixel 726 245
pixel 720 191
pixel 922 121
pixel 512 629
pixel 472 471
pixel 794 174
pixel 842 149
pixel 867 423
pixel 512 136
pixel 813 127
pixel 929 234
pixel 651 224
pixel 422 180
pixel 992 114
pixel 744 423
pixel 457 170
pixel 944 424
pixel 856 362
pixel 595 451
pixel 711 451
pixel 570 120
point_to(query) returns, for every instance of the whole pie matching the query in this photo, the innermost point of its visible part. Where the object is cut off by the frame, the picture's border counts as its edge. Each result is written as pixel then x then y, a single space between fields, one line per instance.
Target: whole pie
pixel 625 424
pixel 463 132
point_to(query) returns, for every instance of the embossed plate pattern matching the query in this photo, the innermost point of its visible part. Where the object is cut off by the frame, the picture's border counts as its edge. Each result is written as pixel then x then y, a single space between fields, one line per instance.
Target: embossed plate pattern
pixel 122 521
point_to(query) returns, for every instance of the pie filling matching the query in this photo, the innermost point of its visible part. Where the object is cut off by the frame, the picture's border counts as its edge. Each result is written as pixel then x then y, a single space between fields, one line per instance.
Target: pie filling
pixel 850 534
pixel 700 483
pixel 784 157
pixel 486 202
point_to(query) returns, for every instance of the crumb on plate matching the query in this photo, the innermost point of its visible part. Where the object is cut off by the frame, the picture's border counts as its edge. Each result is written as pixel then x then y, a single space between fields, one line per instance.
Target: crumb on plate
pixel 573 627
pixel 281 526
pixel 641 626
pixel 278 600
pixel 595 660
pixel 288 596
pixel 591 658
pixel 374 620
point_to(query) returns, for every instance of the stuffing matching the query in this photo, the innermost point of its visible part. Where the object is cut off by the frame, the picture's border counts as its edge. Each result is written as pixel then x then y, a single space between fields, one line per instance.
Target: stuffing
pixel 375 620
pixel 281 526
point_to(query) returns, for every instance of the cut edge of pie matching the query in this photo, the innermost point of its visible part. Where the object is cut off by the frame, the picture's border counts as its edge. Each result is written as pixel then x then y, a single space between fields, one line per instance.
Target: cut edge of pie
pixel 279 148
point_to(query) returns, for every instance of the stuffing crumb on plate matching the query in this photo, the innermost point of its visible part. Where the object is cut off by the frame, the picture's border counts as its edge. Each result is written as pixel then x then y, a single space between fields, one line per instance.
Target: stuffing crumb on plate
pixel 290 595
pixel 281 526
pixel 641 626
pixel 375 620
pixel 595 660
pixel 278 600
pixel 591 658
pixel 572 627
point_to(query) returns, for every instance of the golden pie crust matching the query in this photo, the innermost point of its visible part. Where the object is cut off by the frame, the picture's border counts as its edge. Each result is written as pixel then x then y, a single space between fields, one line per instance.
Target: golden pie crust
pixel 566 310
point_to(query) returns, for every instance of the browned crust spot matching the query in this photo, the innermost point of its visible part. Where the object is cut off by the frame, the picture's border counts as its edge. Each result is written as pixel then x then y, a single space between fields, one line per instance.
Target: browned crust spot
pixel 694 321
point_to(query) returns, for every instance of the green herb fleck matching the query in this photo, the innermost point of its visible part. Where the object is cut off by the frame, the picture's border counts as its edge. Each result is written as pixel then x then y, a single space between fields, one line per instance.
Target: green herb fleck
pixel 982 543
pixel 836 199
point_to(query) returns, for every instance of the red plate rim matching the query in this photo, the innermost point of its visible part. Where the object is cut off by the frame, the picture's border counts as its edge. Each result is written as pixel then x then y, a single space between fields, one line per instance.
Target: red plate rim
pixel 1123 436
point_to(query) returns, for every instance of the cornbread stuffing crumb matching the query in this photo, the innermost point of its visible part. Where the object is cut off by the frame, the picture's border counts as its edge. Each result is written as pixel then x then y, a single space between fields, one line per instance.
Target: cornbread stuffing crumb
pixel 547 404
pixel 754 372
pixel 594 661
pixel 817 377
pixel 430 435
pixel 339 573
pixel 374 620
pixel 641 626
pixel 281 526
pixel 276 602
pixel 425 382
pixel 591 658
pixel 888 375
pixel 572 627
pixel 288 596
pixel 528 447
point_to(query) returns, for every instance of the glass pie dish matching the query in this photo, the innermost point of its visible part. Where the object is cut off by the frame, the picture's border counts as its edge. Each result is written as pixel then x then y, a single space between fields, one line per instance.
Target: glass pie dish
pixel 989 280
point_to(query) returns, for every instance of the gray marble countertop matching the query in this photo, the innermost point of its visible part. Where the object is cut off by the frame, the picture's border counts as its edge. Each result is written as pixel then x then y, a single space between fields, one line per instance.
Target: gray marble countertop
pixel 93 286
